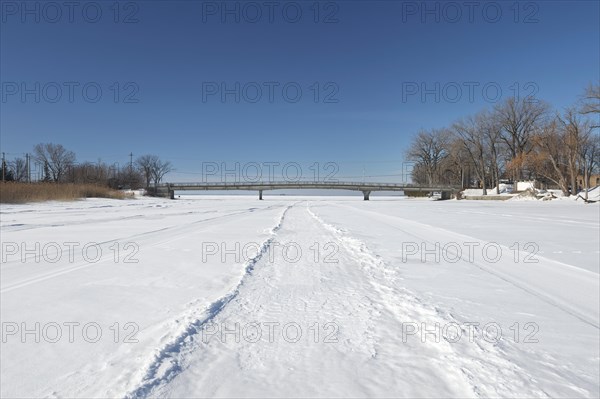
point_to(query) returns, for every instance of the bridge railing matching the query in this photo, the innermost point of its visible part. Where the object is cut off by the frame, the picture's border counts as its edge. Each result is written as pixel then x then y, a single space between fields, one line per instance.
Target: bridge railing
pixel 294 183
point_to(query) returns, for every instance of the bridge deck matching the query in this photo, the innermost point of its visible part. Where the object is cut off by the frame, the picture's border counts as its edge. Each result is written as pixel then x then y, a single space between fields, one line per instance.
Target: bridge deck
pixel 366 187
pixel 273 185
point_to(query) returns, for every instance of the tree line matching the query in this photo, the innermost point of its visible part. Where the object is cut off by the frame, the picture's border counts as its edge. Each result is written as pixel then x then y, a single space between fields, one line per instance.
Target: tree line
pixel 518 139
pixel 59 165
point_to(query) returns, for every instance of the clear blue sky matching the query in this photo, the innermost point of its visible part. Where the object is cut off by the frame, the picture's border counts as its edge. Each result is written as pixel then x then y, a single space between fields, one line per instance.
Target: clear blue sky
pixel 364 54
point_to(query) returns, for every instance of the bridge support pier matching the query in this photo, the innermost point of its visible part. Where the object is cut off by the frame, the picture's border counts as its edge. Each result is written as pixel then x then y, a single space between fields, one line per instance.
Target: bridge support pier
pixel 260 194
pixel 366 195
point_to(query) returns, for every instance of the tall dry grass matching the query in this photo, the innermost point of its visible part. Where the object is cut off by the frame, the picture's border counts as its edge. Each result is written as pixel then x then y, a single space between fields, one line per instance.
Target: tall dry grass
pixel 18 193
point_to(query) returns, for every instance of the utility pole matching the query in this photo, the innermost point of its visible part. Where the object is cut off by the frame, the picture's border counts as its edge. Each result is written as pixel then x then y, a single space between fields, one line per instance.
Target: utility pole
pixel 27 169
pixel 3 167
pixel 131 170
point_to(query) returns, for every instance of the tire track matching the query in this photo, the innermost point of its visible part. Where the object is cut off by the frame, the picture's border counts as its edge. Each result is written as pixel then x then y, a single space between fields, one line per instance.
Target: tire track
pixel 304 291
pixel 483 365
pixel 166 362
pixel 506 278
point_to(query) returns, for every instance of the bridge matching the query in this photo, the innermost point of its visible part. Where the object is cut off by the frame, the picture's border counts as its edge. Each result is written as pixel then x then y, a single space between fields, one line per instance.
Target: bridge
pixel 168 189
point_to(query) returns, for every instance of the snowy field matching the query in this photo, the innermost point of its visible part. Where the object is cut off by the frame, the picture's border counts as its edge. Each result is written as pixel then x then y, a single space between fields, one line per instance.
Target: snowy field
pixel 300 297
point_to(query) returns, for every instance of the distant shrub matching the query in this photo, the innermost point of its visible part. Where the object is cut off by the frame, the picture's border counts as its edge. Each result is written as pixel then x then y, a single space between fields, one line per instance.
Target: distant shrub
pixel 17 193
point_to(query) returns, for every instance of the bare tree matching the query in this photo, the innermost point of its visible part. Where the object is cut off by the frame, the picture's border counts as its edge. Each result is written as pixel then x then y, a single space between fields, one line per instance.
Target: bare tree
pixel 428 150
pixel 590 103
pixel 55 157
pixel 19 169
pixel 519 118
pixel 146 164
pixel 519 138
pixel 6 172
pixel 492 132
pixel 159 170
pixel 547 158
pixel 418 174
pixel 559 151
pixel 127 177
pixel 457 165
pixel 471 132
pixel 90 172
pixel 589 155
pixel 153 168
pixel 574 136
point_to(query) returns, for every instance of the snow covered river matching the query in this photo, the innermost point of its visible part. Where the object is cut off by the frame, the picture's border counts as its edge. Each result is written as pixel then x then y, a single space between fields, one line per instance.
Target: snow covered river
pixel 300 296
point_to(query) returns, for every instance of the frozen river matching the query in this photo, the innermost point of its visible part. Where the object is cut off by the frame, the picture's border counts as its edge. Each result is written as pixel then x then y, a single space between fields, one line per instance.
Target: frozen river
pixel 300 296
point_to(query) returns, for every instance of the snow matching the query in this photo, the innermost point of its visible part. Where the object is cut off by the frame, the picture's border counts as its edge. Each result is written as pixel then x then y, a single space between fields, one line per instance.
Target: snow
pixel 528 194
pixel 504 189
pixel 321 297
pixel 593 194
pixel 525 185
pixel 135 193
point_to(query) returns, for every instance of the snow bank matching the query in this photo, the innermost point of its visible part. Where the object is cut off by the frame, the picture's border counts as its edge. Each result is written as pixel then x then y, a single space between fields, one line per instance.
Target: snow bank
pixel 504 189
pixel 135 193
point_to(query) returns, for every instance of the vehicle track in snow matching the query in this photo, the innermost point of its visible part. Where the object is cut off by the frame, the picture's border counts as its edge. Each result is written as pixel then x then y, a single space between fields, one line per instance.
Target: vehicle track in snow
pixel 275 292
pixel 552 375
pixel 484 365
pixel 532 290
pixel 165 362
pixel 363 297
